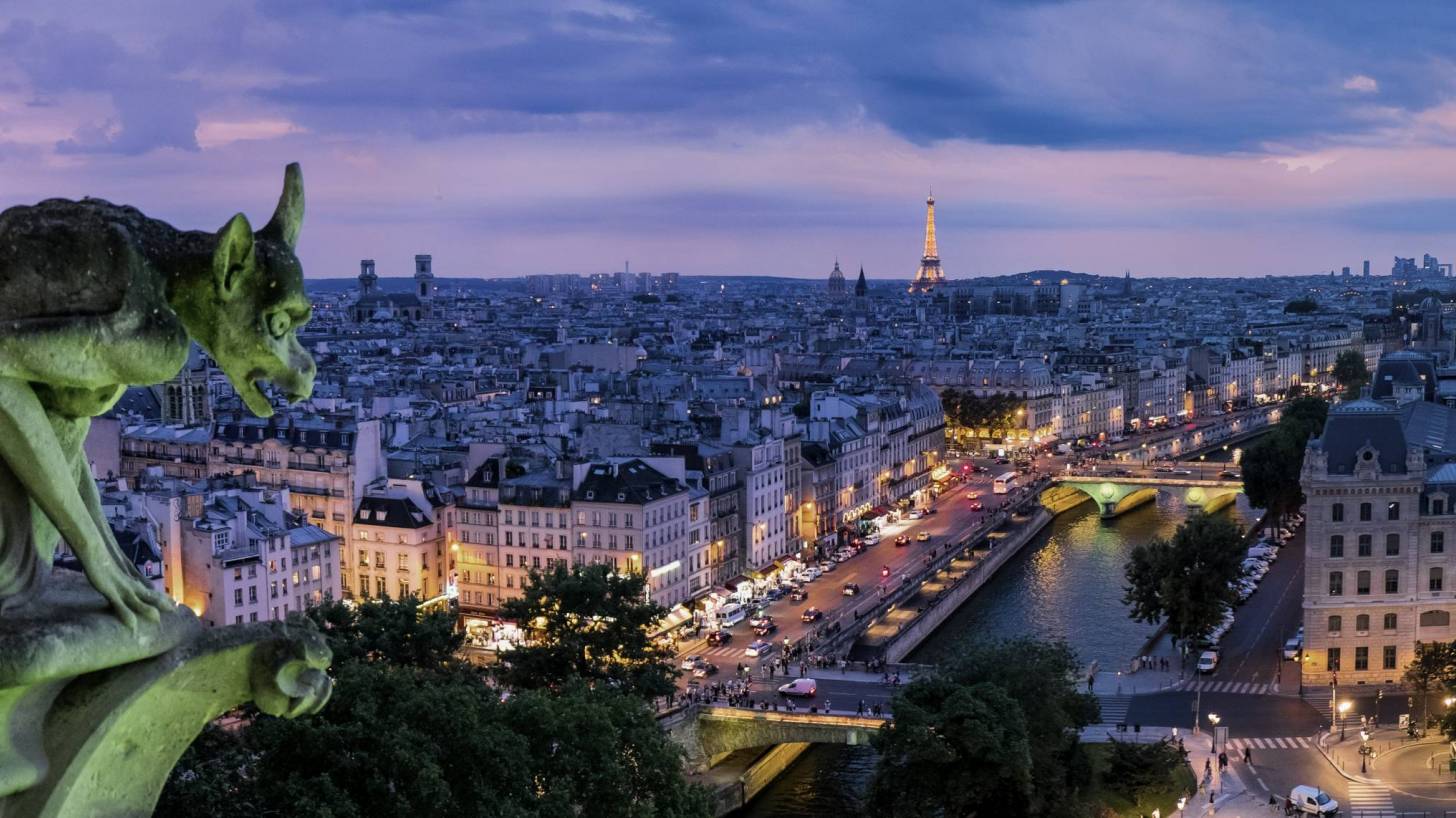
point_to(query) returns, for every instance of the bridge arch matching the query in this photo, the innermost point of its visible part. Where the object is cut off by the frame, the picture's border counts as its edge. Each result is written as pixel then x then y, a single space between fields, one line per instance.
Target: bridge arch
pixel 710 733
pixel 1114 496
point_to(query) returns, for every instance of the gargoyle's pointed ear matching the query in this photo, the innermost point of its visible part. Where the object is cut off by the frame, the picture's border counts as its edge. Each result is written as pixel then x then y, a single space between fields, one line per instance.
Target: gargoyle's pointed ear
pixel 288 216
pixel 233 260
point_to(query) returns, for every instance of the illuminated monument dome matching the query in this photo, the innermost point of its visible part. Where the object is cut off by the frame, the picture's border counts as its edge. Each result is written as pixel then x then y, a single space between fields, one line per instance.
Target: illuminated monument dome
pixel 929 276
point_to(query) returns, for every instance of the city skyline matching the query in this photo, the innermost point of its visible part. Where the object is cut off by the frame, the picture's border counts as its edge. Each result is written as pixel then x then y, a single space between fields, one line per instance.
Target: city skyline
pixel 1203 139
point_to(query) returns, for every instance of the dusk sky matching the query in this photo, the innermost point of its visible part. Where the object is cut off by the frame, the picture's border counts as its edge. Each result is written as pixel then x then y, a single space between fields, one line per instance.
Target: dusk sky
pixel 745 137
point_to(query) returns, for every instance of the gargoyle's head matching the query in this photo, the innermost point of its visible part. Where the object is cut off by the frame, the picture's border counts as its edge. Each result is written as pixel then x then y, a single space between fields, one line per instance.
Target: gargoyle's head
pixel 249 322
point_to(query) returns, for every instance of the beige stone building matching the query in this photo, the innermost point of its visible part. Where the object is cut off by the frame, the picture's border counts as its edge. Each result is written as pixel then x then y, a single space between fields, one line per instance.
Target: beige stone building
pixel 402 532
pixel 1379 538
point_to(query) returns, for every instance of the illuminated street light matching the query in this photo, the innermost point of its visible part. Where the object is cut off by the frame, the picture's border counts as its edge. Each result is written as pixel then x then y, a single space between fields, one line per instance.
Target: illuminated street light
pixel 1344 708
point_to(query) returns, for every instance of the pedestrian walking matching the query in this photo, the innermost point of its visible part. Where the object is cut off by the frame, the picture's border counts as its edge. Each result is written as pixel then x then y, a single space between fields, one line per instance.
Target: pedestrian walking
pixel 1248 756
pixel 860 710
pixel 1222 760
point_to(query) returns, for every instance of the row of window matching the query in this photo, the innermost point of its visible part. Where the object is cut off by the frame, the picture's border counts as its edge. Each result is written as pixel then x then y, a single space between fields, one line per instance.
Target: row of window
pixel 1392 511
pixel 1428 619
pixel 1364 544
pixel 1435 581
pixel 1362 658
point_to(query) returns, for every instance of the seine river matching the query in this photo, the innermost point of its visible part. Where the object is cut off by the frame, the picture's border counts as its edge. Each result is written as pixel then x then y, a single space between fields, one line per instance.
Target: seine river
pixel 1065 584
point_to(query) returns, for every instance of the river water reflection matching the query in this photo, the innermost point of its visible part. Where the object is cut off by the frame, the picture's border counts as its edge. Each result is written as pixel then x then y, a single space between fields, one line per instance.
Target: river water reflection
pixel 1065 584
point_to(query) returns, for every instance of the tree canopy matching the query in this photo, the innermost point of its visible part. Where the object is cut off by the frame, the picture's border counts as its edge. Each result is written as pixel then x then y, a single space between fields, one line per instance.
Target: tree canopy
pixel 1350 372
pixel 411 730
pixel 994 414
pixel 587 622
pixel 993 732
pixel 1271 466
pixel 1185 581
pixel 1138 770
pixel 1301 306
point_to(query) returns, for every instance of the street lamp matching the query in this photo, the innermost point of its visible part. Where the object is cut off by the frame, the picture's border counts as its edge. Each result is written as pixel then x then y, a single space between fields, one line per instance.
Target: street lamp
pixel 1343 708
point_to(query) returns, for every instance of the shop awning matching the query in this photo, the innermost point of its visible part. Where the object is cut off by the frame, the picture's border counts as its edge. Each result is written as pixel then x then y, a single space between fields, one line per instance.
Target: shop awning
pixel 675 617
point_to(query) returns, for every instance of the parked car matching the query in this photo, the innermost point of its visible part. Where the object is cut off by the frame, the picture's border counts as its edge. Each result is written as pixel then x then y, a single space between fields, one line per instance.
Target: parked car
pixel 916 514
pixel 812 573
pixel 872 539
pixel 799 687
pixel 851 588
pixel 1292 646
pixel 1207 661
pixel 923 536
pixel 758 647
pixel 828 565
pixel 811 615
pixel 690 662
pixel 719 637
pixel 1309 800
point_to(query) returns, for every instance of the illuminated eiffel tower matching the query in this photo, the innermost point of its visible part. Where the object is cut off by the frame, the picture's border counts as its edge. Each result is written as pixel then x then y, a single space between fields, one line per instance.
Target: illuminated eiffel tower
pixel 929 276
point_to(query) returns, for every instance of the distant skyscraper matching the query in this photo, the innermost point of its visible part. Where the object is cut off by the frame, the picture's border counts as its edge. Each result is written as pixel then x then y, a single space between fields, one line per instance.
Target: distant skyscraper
pixel 929 276
pixel 1344 271
pixel 1367 268
pixel 836 282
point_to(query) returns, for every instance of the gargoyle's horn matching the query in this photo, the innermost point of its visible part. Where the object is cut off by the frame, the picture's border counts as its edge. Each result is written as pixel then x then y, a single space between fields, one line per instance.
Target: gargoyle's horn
pixel 288 217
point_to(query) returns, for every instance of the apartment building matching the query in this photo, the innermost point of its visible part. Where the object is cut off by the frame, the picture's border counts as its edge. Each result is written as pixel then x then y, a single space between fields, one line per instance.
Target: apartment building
pixel 477 555
pixel 1380 485
pixel 403 530
pixel 535 527
pixel 634 515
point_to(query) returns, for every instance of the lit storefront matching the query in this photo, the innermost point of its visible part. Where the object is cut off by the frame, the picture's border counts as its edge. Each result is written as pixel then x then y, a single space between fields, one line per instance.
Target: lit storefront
pixel 492 634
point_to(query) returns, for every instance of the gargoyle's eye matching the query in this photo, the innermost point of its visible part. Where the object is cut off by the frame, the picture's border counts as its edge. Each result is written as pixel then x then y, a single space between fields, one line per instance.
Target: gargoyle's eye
pixel 278 324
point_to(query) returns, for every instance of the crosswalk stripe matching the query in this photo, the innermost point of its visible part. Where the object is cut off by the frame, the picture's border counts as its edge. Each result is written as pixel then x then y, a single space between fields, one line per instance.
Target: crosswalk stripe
pixel 1370 797
pixel 1270 743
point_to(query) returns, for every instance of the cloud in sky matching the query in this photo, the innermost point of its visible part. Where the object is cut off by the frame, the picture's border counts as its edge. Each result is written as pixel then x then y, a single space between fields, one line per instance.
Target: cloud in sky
pixel 1361 83
pixel 751 137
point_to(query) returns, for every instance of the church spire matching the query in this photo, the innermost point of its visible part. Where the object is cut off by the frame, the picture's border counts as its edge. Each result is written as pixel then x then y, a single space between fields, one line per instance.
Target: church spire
pixel 861 287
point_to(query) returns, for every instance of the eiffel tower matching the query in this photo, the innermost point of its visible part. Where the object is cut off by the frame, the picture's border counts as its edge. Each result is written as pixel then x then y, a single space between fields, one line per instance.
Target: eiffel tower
pixel 929 276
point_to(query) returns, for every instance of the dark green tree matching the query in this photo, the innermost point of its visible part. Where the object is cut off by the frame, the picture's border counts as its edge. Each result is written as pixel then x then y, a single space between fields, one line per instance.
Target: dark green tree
pixel 586 623
pixel 396 632
pixel 1432 667
pixel 1184 581
pixel 1271 467
pixel 953 750
pixel 1350 372
pixel 1301 306
pixel 1038 678
pixel 1138 770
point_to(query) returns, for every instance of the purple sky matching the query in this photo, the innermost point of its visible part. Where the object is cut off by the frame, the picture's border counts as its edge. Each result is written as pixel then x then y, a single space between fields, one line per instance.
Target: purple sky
pixel 754 137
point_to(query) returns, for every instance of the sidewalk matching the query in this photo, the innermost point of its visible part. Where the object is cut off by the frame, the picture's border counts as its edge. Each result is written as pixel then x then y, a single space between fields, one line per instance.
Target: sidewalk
pixel 1395 758
pixel 1130 680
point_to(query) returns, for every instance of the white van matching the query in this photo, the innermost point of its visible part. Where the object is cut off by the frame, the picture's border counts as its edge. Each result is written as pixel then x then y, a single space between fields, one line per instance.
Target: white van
pixel 731 614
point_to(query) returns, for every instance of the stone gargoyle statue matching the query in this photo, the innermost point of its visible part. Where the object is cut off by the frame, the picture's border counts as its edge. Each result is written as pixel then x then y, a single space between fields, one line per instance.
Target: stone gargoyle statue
pixel 96 297
pixel 101 690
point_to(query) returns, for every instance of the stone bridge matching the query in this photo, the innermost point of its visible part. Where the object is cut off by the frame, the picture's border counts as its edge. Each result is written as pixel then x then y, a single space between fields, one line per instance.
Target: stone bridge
pixel 709 733
pixel 1114 495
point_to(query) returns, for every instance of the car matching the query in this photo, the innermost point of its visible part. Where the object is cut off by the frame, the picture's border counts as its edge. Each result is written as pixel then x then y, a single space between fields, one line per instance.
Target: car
pixel 916 514
pixel 773 593
pixel 704 670
pixel 805 688
pixel 902 540
pixel 976 506
pixel 811 615
pixel 690 662
pixel 766 628
pixel 1292 646
pixel 1163 469
pixel 1207 661
pixel 758 618
pixel 758 647
pixel 828 565
pixel 923 536
pixel 798 595
pixel 971 495
pixel 851 588
pixel 719 637
pixel 812 573
pixel 930 511
pixel 1309 800
pixel 1229 475
pixel 872 539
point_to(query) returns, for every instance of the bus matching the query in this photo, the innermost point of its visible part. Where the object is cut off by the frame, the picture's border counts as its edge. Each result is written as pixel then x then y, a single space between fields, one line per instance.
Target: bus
pixel 1004 482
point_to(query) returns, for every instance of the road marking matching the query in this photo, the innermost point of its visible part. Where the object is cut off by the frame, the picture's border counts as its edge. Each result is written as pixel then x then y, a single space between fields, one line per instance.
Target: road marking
pixel 1262 785
pixel 1370 798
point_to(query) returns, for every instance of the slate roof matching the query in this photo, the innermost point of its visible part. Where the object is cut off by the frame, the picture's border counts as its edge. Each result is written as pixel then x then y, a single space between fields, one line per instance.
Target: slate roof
pixel 632 482
pixel 393 512
pixel 1354 424
pixel 1404 367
